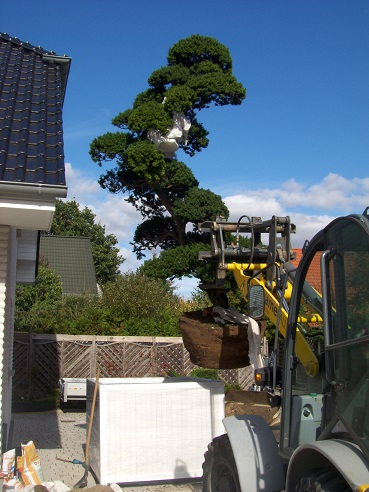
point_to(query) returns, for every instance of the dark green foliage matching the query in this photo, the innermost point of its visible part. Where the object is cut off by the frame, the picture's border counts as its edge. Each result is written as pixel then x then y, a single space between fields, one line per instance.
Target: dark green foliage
pixel 196 49
pixel 151 232
pixel 178 179
pixel 32 300
pixel 229 387
pixel 111 145
pixel 149 115
pixel 132 305
pixel 164 190
pixel 197 138
pixel 69 220
pixel 201 372
pixel 146 162
pixel 175 263
pixel 171 75
pixel 179 98
pixel 46 290
pixel 200 205
pixel 145 306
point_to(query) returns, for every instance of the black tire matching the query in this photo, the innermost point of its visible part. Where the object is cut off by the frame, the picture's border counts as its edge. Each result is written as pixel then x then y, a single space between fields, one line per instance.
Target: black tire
pixel 219 468
pixel 323 481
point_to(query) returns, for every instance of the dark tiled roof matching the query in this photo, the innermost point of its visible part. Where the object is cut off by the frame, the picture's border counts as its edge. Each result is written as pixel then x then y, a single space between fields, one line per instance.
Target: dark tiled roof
pixel 32 87
pixel 71 259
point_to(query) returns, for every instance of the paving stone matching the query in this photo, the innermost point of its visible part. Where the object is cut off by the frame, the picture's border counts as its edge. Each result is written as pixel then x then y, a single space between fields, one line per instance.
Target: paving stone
pixel 63 434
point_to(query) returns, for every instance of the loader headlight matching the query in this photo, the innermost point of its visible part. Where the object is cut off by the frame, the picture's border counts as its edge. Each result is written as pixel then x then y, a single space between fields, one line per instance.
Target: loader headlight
pixel 264 376
pixel 258 378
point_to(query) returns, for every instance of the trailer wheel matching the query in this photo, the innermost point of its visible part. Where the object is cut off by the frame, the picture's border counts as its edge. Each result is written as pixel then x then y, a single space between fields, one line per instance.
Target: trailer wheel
pixel 323 481
pixel 219 468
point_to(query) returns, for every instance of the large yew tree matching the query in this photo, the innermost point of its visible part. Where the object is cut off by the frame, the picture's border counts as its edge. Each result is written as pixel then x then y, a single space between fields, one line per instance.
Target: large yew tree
pixel 165 191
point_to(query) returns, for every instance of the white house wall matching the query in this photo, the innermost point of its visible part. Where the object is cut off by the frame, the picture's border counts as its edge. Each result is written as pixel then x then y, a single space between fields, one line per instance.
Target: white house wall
pixel 8 258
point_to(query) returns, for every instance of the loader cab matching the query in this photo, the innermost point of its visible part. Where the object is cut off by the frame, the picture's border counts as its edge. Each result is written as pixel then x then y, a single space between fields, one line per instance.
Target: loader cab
pixel 332 404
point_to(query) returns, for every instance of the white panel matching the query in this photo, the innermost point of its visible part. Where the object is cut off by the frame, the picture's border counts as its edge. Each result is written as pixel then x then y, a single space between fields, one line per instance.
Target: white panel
pixel 26 256
pixel 153 429
pixel 26 272
pixel 26 215
pixel 27 245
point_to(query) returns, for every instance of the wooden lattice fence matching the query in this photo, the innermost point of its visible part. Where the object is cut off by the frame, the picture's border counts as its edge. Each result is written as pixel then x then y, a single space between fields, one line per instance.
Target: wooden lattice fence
pixel 41 360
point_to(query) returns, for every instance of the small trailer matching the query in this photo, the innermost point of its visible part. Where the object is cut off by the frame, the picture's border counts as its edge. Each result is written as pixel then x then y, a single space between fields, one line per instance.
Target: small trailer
pixel 72 389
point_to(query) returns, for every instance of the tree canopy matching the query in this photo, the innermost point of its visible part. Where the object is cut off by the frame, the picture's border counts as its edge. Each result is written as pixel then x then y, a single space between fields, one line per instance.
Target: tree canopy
pixel 163 189
pixel 70 220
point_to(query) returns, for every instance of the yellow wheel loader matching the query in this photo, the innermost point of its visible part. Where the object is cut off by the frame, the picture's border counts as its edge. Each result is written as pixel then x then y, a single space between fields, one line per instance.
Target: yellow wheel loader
pixel 323 443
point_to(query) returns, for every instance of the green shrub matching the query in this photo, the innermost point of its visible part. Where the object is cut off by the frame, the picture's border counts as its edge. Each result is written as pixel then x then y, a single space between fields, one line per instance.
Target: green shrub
pixel 133 305
pixel 229 387
pixel 201 372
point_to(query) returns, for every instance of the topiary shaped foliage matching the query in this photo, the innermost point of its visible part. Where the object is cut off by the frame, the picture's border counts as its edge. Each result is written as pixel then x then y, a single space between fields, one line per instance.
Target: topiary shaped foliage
pixel 198 74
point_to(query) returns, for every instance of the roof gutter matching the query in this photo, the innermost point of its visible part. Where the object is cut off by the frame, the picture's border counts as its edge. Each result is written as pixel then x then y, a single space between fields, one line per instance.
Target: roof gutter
pixel 64 62
pixel 31 191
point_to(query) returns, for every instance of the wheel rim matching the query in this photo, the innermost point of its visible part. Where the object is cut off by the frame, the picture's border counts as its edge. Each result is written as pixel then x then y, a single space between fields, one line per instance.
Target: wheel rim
pixel 222 478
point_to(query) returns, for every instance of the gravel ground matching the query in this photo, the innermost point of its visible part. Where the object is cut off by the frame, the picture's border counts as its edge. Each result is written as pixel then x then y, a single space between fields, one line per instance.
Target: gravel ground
pixel 62 434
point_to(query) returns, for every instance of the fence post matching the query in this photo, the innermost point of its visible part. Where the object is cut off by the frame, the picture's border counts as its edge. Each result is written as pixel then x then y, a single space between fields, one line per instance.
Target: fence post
pixel 30 364
pixel 153 358
pixel 61 369
pixel 124 359
pixel 93 361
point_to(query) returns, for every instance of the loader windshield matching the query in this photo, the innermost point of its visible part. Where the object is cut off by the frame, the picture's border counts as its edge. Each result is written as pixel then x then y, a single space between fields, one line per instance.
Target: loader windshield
pixel 335 402
pixel 347 326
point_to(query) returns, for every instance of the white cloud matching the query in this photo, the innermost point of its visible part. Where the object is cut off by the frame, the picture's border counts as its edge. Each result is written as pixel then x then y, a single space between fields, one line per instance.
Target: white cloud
pixel 81 186
pixel 334 193
pixel 307 226
pixel 258 203
pixel 118 216
pixel 310 207
pixel 112 211
pixel 130 261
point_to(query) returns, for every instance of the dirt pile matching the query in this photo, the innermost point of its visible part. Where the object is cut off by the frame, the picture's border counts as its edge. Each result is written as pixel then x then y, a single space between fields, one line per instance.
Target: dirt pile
pixel 238 402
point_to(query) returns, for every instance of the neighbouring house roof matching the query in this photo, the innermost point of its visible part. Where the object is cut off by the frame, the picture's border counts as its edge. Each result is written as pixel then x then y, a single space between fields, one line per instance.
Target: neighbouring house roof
pixel 71 259
pixel 313 274
pixel 32 172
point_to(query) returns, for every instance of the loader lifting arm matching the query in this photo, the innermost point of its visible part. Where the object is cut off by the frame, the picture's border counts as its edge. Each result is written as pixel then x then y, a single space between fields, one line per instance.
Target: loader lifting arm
pixel 266 267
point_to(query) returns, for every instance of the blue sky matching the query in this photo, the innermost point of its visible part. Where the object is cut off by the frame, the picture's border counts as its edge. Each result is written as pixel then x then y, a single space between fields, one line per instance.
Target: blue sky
pixel 298 145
